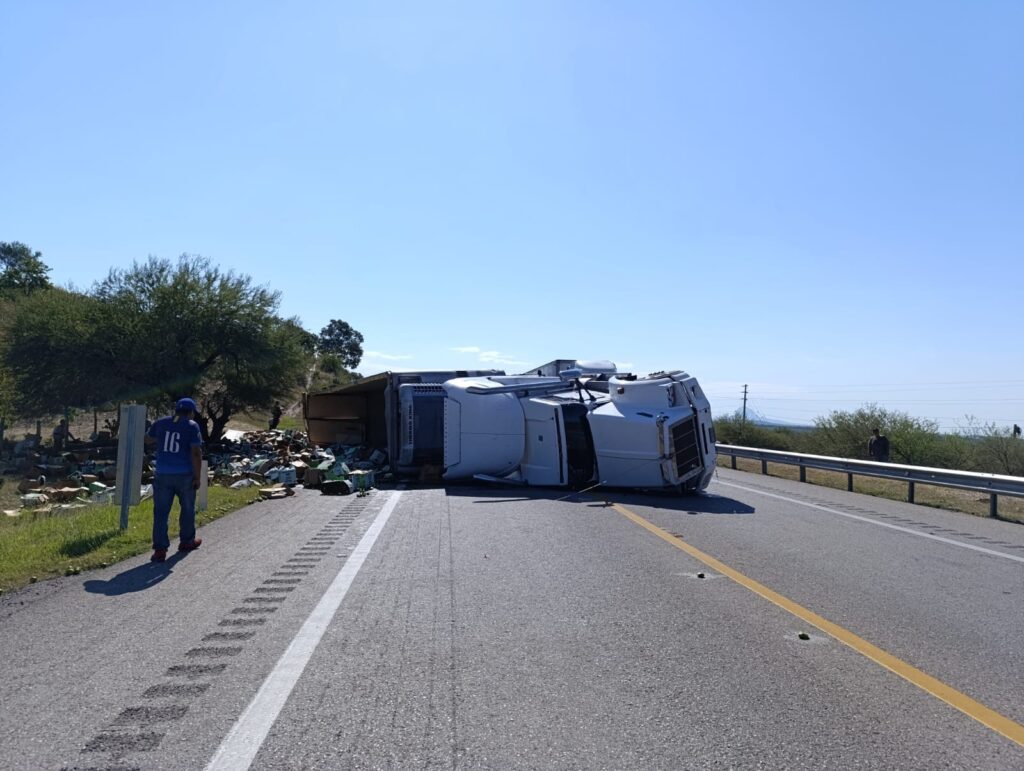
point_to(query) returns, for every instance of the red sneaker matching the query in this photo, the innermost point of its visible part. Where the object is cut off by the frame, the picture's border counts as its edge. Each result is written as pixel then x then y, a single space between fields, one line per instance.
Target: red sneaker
pixel 192 545
pixel 159 555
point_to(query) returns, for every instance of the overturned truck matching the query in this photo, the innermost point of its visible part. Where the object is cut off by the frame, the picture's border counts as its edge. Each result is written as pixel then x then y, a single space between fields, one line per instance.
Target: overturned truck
pixel 569 423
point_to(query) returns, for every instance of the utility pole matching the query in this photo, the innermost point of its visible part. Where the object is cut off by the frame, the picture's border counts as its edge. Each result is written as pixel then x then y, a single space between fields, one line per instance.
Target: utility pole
pixel 744 403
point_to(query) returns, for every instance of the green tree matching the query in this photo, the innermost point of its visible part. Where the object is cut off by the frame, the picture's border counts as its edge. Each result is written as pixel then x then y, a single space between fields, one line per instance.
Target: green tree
pixel 190 328
pixel 340 339
pixel 8 396
pixel 152 333
pixel 272 368
pixel 21 269
pixel 57 352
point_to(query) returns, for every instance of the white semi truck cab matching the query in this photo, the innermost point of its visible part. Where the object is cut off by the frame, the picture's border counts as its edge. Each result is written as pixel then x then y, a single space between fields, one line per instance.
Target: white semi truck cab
pixel 567 424
pixel 580 429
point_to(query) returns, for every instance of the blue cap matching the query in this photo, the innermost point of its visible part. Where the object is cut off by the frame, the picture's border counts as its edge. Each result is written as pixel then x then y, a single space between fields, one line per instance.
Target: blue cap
pixel 185 405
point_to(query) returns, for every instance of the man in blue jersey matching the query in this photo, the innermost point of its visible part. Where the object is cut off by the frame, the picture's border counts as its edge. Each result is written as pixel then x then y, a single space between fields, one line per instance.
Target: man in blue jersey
pixel 179 458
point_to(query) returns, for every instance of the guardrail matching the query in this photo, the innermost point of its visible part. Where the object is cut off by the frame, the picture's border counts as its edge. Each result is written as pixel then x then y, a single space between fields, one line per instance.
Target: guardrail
pixel 992 484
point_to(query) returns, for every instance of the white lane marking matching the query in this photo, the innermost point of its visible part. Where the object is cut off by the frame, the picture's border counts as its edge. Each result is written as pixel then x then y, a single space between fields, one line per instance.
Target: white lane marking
pixel 871 521
pixel 247 735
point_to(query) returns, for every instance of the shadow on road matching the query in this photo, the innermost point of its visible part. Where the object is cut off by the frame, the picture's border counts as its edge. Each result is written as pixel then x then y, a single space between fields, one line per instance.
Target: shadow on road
pixel 695 504
pixel 136 579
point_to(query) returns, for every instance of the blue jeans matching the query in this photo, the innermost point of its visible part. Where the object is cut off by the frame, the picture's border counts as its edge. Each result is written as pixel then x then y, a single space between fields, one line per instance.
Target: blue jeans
pixel 165 487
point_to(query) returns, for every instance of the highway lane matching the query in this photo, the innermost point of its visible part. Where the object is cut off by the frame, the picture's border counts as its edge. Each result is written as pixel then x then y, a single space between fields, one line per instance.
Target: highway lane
pixel 505 628
pixel 955 612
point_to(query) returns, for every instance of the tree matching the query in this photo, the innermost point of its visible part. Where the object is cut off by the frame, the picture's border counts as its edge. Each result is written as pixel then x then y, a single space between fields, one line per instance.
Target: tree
pixel 57 353
pixel 273 367
pixel 8 395
pixel 152 333
pixel 343 341
pixel 21 269
pixel 190 328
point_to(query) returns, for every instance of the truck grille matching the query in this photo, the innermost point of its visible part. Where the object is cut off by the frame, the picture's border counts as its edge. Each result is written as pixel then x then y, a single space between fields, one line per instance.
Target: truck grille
pixel 685 447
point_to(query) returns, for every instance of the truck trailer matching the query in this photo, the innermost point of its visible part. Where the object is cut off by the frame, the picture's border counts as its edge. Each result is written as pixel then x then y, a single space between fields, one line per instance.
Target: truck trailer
pixel 568 423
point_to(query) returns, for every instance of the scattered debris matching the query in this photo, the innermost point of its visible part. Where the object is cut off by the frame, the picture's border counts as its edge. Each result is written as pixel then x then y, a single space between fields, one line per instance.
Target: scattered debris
pixel 84 473
pixel 279 491
pixel 336 487
pixel 288 458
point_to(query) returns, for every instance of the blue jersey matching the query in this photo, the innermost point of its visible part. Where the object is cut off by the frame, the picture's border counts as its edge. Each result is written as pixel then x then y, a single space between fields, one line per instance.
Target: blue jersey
pixel 174 443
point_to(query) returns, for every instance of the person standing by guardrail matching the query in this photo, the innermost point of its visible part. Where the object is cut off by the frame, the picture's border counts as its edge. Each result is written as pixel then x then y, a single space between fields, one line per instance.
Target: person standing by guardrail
pixel 179 460
pixel 878 446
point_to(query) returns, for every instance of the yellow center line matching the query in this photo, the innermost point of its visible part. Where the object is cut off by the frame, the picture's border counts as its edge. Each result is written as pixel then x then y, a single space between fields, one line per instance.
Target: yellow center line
pixel 1001 724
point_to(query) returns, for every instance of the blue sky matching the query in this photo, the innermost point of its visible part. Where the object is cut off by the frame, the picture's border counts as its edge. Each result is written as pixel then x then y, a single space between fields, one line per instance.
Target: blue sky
pixel 822 200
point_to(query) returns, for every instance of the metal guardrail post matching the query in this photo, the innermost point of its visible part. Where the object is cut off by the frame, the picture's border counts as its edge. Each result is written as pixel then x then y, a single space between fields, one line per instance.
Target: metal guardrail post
pixel 910 492
pixel 732 458
pixel 803 473
pixel 764 467
pixel 993 505
pixel 849 483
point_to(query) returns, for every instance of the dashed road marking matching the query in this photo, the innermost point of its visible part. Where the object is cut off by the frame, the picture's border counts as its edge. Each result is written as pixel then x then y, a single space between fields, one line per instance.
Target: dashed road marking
pixel 247 735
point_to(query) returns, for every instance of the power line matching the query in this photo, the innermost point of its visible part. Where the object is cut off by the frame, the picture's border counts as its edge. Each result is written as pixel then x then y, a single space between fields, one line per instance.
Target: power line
pixel 967 400
pixel 912 384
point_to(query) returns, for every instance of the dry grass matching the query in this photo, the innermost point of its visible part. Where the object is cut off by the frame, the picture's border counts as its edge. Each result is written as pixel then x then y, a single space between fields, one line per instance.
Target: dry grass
pixel 1011 509
pixel 82 424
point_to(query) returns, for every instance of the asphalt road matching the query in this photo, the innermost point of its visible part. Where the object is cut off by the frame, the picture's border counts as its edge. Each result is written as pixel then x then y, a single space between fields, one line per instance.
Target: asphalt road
pixel 506 628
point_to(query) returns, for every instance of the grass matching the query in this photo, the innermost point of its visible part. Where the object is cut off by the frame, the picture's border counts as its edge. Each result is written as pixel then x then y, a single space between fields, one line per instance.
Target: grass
pixel 1011 509
pixel 289 423
pixel 34 547
pixel 249 422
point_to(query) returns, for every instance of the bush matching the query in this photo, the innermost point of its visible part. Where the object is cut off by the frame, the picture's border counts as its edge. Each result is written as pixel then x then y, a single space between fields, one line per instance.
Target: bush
pixel 1000 452
pixel 845 435
pixel 912 441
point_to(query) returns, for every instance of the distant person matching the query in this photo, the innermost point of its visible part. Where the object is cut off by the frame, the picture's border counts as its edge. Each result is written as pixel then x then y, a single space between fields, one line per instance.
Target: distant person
pixel 878 447
pixel 179 458
pixel 275 415
pixel 61 435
